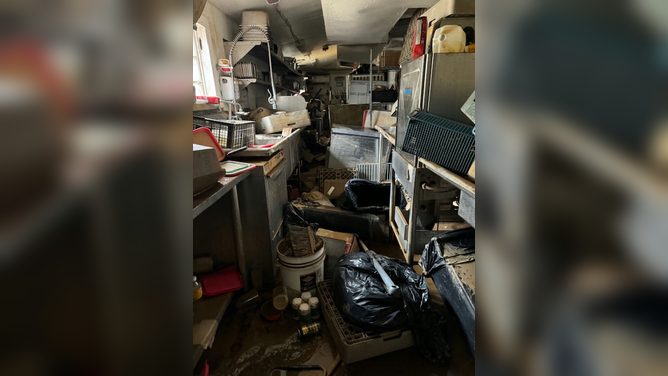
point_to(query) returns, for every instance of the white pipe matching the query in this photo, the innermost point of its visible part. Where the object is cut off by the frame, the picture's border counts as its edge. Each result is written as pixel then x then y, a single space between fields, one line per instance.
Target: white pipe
pixel 272 101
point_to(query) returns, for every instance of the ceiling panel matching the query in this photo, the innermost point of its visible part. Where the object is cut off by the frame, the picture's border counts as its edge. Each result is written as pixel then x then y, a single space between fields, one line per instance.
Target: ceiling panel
pixel 356 22
pixel 364 21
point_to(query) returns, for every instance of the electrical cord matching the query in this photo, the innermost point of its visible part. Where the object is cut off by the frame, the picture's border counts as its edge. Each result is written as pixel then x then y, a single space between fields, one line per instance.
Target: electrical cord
pixel 285 19
pixel 428 187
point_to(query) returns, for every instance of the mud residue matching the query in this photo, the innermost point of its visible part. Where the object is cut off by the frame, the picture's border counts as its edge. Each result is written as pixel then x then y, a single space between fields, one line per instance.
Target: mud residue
pixel 260 359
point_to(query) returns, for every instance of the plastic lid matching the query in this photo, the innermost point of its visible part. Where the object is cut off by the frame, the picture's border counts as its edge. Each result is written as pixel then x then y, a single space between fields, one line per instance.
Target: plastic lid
pixel 297 302
pixel 306 296
pixel 304 309
pixel 313 301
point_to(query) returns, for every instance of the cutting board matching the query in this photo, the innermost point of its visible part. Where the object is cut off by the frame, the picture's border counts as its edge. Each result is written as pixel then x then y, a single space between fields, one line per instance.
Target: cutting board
pixel 233 168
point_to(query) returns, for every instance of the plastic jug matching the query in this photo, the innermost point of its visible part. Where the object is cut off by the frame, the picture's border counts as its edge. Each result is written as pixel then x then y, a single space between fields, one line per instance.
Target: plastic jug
pixel 449 38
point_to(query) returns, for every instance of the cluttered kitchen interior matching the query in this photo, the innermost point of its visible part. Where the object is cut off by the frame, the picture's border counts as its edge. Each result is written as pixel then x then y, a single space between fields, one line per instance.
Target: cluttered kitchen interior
pixel 333 187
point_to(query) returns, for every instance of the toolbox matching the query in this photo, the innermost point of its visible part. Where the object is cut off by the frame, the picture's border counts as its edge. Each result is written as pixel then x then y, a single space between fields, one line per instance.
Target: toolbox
pixel 276 122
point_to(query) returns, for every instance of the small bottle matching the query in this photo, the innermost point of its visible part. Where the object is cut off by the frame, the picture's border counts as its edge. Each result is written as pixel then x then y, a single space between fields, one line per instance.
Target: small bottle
pixel 314 303
pixel 308 330
pixel 197 289
pixel 306 296
pixel 304 313
pixel 296 302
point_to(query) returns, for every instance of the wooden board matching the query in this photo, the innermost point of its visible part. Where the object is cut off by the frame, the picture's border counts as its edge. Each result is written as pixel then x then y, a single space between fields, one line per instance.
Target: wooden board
pixel 207 313
pixel 385 134
pixel 207 198
pixel 452 178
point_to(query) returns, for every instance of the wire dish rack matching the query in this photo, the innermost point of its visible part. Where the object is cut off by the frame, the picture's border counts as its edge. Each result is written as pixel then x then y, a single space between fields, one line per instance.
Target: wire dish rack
pixel 230 134
pixel 369 171
pixel 354 343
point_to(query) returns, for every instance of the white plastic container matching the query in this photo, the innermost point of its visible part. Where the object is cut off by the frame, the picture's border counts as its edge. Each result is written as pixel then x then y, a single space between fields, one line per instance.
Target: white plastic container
pixel 227 89
pixel 300 274
pixel 276 122
pixel 449 38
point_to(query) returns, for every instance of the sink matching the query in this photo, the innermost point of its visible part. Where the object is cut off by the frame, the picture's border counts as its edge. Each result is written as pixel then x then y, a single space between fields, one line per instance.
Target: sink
pixel 263 139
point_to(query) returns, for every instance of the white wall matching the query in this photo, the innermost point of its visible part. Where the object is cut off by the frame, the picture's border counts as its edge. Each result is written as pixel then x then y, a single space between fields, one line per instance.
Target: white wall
pixel 218 26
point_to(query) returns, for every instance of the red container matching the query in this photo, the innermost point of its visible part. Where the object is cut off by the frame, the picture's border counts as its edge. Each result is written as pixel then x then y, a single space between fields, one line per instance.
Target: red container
pixel 203 136
pixel 293 194
pixel 210 100
pixel 419 37
pixel 222 281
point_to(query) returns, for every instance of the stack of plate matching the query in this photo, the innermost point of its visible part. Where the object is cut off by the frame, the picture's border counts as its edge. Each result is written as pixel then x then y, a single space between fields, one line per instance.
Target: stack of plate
pixel 245 70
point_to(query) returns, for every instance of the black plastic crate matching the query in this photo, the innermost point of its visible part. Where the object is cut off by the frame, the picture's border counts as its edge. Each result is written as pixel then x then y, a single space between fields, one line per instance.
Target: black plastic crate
pixel 199 122
pixel 230 134
pixel 440 140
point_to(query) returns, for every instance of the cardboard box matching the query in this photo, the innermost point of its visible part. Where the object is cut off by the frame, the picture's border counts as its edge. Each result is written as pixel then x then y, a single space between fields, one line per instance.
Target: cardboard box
pixel 259 113
pixel 471 172
pixel 337 244
pixel 389 58
pixel 381 118
pixel 334 188
pixel 206 168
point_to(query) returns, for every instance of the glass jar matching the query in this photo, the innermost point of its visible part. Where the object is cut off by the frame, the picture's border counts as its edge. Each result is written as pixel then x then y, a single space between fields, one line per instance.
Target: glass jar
pixel 314 303
pixel 296 302
pixel 197 289
pixel 304 313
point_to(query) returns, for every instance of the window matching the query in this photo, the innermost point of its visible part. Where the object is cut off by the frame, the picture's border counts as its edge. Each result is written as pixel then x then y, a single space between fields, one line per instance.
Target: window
pixel 203 72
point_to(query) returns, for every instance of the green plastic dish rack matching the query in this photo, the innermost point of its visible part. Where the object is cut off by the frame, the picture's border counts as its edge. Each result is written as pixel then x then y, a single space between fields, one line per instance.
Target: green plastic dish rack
pixel 440 140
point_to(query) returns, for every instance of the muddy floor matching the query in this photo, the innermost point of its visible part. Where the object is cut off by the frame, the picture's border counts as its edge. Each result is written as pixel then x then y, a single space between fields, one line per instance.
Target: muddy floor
pixel 246 344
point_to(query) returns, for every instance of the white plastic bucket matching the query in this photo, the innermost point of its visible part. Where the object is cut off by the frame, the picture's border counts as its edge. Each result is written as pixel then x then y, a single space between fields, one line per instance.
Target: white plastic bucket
pixel 300 274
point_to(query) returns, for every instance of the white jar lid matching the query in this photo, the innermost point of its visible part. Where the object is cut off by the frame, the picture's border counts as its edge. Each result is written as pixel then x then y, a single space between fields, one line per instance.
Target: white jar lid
pixel 304 309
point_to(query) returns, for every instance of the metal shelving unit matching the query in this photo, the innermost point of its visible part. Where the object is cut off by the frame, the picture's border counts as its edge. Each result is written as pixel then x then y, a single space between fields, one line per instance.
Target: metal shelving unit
pixel 438 84
pixel 430 199
pixel 258 50
pixel 467 188
pixel 243 82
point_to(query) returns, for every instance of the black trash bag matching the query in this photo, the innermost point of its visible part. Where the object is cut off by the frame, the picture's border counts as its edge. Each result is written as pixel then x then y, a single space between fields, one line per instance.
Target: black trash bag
pixel 360 295
pixel 370 197
pixel 432 257
pixel 295 216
